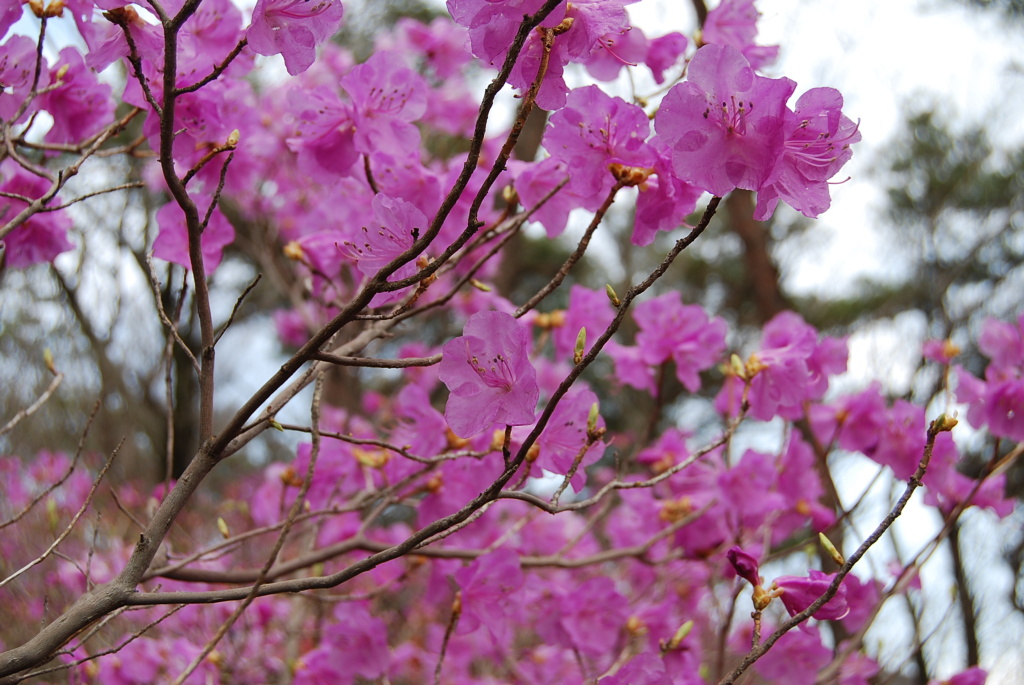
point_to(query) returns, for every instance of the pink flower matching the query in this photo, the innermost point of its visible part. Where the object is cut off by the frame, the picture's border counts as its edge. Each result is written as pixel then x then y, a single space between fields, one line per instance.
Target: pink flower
pixel 387 97
pixel 795 659
pixel 397 222
pixel 799 592
pixel 972 676
pixel 293 29
pixel 17 67
pixel 590 309
pixel 171 242
pixel 998 401
pixel 493 25
pixel 734 23
pixel 81 105
pixel 489 375
pixel 663 53
pixel 489 593
pixel 564 436
pixel 791 367
pixel 725 123
pixel 356 645
pixel 664 201
pixel 44 235
pixel 8 15
pixel 593 131
pixel 818 139
pixel 941 351
pixel 684 333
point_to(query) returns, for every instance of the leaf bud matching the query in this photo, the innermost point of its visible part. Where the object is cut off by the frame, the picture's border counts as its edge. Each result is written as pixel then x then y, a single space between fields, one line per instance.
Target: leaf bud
pixel 592 418
pixel 679 636
pixel 51 513
pixel 63 71
pixel 482 287
pixel 222 526
pixel 48 360
pixel 233 139
pixel 276 425
pixel 581 345
pixel 736 366
pixel 293 250
pixel 509 195
pixel 944 423
pixel 612 296
pixel 831 549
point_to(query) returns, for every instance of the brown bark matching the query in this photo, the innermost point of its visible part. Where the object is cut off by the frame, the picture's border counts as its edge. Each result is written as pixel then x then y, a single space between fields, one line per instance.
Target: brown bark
pixel 762 274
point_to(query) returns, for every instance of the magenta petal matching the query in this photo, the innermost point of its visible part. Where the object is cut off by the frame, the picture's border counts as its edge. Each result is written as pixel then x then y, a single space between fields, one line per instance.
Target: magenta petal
pixel 724 125
pixel 489 375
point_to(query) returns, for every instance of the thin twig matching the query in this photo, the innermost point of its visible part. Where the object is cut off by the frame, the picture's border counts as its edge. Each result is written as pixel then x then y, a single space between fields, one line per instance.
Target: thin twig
pixel 939 425
pixel 74 520
pixel 581 248
pixel 28 411
pixel 234 310
pixel 449 629
pixel 71 467
pixel 369 362
pixel 282 537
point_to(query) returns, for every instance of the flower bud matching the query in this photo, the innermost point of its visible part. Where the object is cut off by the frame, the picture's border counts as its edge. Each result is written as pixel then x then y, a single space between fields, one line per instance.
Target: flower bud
pixel 745 565
pixel 290 478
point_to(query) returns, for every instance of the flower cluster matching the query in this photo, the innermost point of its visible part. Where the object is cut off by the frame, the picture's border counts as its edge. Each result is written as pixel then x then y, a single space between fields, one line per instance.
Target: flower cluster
pixel 558 486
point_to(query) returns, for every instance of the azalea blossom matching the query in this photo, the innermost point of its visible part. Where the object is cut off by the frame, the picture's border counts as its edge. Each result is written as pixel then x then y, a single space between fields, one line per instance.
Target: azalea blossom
pixel 725 123
pixel 293 29
pixel 489 375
